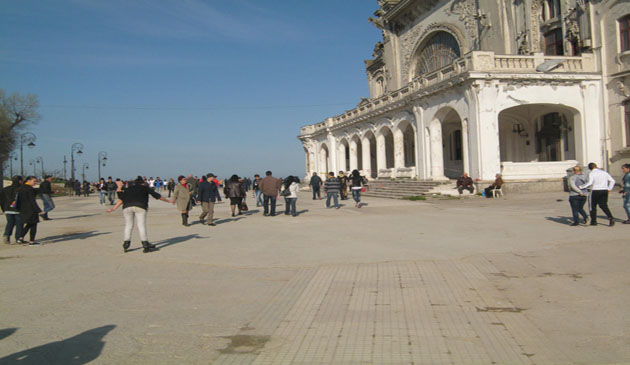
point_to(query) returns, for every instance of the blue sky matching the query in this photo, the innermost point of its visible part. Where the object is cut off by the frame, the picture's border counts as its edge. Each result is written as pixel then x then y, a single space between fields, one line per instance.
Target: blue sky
pixel 184 86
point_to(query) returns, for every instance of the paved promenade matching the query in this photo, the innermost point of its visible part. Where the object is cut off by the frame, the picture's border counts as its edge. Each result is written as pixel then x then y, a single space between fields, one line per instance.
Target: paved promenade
pixel 471 281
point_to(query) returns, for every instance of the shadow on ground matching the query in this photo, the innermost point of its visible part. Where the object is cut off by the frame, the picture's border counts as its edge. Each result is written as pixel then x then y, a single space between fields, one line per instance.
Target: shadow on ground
pixel 6 332
pixel 72 236
pixel 561 220
pixel 77 216
pixel 170 241
pixel 80 349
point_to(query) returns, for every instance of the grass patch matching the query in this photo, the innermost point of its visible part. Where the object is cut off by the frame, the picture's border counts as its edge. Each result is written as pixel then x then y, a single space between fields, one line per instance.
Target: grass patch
pixel 415 197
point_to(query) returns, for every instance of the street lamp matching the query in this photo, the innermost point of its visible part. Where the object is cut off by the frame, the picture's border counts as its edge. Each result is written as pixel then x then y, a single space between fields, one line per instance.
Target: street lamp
pixel 40 159
pixel 32 163
pixel 102 157
pixel 28 138
pixel 78 147
pixel 85 166
pixel 65 161
pixel 12 156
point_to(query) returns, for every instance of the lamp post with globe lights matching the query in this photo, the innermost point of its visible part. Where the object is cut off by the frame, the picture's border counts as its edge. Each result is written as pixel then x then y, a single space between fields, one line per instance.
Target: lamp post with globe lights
pixel 40 160
pixel 12 157
pixel 102 157
pixel 85 166
pixel 78 147
pixel 29 139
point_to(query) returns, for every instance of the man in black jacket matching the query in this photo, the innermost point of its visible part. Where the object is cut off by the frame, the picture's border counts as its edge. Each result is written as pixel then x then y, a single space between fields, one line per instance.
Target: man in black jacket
pixel 45 189
pixel 11 209
pixel 111 188
pixel 316 183
pixel 208 194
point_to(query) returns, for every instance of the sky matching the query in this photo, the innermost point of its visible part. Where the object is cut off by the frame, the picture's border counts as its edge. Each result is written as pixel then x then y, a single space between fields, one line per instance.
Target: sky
pixel 183 86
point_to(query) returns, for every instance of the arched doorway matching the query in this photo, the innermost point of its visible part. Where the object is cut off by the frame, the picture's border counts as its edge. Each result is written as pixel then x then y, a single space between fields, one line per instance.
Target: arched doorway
pixel 356 153
pixel 344 155
pixel 453 147
pixel 323 160
pixel 409 144
pixel 537 133
pixel 370 160
pixel 386 148
pixel 439 49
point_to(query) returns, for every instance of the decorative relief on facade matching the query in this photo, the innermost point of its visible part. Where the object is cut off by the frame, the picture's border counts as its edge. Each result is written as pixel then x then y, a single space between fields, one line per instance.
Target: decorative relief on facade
pixel 410 42
pixel 536 10
pixel 466 12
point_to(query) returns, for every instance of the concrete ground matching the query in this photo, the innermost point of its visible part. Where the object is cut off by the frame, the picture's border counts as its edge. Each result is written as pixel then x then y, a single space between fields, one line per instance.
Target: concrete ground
pixel 470 281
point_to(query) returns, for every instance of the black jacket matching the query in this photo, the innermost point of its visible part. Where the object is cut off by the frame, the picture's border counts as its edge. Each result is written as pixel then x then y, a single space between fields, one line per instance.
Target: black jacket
pixel 234 189
pixel 45 188
pixel 7 197
pixel 208 192
pixel 316 181
pixel 137 196
pixel 29 210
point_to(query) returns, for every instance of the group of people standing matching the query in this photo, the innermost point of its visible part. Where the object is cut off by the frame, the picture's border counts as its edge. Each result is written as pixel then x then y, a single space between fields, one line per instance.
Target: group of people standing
pixel 336 186
pixel 18 202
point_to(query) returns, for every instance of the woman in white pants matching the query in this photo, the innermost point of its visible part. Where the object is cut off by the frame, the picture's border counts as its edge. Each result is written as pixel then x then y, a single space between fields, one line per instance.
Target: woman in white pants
pixel 135 202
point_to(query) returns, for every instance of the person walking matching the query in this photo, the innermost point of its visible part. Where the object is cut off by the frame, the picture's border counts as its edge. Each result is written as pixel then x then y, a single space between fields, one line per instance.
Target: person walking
pixel 601 183
pixel 625 190
pixel 577 196
pixel 135 202
pixel 111 190
pixel 270 187
pixel 46 192
pixel 183 198
pixel 292 184
pixel 101 187
pixel 234 190
pixel 208 195
pixel 170 186
pixel 10 206
pixel 158 185
pixel 315 183
pixel 343 180
pixel 332 187
pixel 77 188
pixel 193 184
pixel 29 210
pixel 86 188
pixel 358 182
pixel 257 192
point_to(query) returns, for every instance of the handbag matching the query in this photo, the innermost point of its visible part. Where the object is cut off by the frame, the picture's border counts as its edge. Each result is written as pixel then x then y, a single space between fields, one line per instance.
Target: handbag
pixel 244 207
pixel 285 192
pixel 363 189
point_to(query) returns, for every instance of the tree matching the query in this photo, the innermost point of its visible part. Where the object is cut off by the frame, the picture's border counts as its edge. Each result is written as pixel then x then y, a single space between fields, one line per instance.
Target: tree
pixel 16 113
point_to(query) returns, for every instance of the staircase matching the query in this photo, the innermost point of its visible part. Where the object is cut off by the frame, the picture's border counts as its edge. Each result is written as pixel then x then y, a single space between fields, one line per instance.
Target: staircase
pixel 398 189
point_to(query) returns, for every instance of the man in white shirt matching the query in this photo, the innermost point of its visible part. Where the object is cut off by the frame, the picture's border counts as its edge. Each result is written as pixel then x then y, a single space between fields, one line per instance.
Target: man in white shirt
pixel 601 183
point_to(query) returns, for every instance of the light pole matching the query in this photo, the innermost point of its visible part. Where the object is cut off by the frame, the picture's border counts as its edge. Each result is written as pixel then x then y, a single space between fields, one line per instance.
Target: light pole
pixel 85 166
pixel 75 147
pixel 40 159
pixel 32 163
pixel 65 161
pixel 102 157
pixel 28 138
pixel 12 157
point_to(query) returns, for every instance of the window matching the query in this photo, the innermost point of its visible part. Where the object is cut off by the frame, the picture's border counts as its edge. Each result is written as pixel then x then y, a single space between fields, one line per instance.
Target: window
pixel 440 51
pixel 553 43
pixel 626 109
pixel 624 33
pixel 550 9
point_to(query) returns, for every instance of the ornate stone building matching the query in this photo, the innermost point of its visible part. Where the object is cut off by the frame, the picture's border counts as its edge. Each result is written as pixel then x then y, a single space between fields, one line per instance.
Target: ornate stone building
pixel 526 88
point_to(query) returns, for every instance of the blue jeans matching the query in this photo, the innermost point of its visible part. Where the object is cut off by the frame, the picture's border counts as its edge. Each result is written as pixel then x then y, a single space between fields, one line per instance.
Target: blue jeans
pixel 48 203
pixel 111 194
pixel 102 195
pixel 290 206
pixel 577 207
pixel 13 220
pixel 626 203
pixel 270 200
pixel 316 191
pixel 356 195
pixel 335 196
pixel 259 200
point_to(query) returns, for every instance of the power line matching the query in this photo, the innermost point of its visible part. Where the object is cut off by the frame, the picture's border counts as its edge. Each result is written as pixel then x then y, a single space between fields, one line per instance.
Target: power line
pixel 225 107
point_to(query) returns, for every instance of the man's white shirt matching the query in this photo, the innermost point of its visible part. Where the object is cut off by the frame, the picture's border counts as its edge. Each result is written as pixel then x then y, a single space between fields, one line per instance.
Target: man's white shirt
pixel 600 180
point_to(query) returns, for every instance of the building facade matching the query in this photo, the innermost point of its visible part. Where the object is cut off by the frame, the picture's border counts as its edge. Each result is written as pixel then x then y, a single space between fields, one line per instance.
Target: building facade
pixel 526 88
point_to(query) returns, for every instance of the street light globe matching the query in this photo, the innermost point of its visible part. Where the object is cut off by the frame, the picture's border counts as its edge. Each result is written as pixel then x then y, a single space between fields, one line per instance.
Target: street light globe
pixel 31 145
pixel 79 152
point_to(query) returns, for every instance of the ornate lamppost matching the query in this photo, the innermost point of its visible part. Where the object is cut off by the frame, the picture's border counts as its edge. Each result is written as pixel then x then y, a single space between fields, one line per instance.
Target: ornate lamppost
pixel 12 156
pixel 28 138
pixel 32 163
pixel 85 166
pixel 102 157
pixel 40 159
pixel 78 147
pixel 65 161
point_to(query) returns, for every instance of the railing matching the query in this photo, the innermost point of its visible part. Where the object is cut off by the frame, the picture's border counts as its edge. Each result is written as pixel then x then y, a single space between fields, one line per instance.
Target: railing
pixel 477 61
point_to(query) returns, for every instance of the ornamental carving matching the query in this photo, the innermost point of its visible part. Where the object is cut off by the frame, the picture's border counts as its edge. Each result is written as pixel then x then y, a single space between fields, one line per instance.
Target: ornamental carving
pixel 466 12
pixel 411 40
pixel 536 10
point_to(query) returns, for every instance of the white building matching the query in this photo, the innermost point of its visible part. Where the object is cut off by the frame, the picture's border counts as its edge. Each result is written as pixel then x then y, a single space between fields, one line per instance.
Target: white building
pixel 526 88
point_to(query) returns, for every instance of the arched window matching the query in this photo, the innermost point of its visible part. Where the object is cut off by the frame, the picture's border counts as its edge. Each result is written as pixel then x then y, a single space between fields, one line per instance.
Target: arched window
pixel 439 51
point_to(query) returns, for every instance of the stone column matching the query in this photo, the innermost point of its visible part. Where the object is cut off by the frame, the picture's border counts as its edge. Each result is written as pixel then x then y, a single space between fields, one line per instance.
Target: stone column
pixel 399 149
pixel 353 155
pixel 332 164
pixel 421 156
pixel 366 158
pixel 341 157
pixel 437 156
pixel 381 154
pixel 465 161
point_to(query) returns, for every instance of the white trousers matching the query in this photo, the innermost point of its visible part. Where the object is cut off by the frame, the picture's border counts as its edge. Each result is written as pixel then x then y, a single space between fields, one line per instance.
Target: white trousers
pixel 141 221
